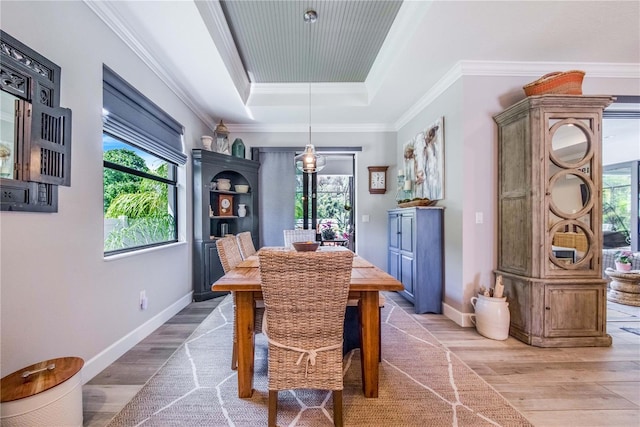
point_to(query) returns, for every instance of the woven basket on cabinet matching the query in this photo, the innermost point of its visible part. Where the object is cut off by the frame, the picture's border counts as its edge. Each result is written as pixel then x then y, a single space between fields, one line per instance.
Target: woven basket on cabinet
pixel 566 82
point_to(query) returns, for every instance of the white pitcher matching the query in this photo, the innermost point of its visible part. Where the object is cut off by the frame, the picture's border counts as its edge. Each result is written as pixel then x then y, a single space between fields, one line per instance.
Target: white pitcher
pixel 242 210
pixel 492 317
pixel 206 142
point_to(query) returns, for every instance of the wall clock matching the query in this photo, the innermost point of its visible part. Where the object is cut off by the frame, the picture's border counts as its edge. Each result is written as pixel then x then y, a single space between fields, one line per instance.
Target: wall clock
pixel 378 179
pixel 225 205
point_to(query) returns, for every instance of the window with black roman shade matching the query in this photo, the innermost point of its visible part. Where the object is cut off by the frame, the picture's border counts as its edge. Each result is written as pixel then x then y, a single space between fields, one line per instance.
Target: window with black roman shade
pixel 131 116
pixel 142 150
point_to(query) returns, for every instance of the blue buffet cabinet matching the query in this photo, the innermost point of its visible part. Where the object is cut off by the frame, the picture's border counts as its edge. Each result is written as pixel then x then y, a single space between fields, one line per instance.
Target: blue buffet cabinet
pixel 415 255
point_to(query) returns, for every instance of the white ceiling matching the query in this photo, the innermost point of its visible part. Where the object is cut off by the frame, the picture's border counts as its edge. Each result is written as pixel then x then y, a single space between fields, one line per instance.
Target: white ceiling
pixel 189 45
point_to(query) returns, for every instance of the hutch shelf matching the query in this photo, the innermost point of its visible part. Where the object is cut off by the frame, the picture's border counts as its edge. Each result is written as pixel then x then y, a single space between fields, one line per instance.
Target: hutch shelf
pixel 210 222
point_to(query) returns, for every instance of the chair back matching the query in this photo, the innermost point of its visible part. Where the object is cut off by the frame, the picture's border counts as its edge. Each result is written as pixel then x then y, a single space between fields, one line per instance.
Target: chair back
pixel 229 253
pixel 305 297
pixel 290 236
pixel 245 242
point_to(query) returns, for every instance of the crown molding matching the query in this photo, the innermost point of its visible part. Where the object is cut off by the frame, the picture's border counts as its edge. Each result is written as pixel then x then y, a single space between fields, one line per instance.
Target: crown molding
pixel 436 90
pixel 407 21
pixel 323 128
pixel 107 12
pixel 216 23
pixel 515 69
pixel 298 94
pixel 537 69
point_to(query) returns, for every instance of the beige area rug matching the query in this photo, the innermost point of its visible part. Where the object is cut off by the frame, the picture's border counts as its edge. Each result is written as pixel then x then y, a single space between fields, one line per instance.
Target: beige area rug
pixel 421 384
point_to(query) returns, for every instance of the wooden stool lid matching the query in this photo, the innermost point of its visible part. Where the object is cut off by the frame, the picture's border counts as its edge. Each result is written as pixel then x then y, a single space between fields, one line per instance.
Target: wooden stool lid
pixel 39 377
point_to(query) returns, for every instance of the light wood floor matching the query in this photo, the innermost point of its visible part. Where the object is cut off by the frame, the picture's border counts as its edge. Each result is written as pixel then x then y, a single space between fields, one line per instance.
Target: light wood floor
pixel 551 387
pixel 588 386
pixel 109 391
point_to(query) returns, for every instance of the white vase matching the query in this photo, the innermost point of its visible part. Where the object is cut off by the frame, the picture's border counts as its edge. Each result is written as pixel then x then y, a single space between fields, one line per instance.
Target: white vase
pixel 207 141
pixel 223 184
pixel 492 317
pixel 242 210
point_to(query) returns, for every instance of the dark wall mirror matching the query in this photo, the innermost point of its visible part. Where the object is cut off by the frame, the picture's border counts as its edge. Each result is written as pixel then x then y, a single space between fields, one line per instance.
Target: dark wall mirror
pixel 35 144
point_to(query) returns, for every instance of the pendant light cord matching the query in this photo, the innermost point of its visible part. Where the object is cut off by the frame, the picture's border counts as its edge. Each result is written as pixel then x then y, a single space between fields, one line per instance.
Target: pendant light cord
pixel 309 23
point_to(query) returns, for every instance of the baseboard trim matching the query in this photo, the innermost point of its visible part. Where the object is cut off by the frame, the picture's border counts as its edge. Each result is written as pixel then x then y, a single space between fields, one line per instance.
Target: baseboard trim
pixel 97 364
pixel 462 319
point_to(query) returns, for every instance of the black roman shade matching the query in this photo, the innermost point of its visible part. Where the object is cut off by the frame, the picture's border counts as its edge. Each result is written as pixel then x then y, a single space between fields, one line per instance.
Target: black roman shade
pixel 132 117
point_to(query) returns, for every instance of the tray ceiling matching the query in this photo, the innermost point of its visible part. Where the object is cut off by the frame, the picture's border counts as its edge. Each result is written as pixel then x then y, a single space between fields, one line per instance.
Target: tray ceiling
pixel 277 46
pixel 244 61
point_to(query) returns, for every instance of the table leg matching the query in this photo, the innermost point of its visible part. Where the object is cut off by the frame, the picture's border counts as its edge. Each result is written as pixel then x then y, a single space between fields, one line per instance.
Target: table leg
pixel 245 314
pixel 370 336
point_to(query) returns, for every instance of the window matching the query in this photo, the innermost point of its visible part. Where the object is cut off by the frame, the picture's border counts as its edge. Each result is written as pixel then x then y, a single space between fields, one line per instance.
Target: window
pixel 140 195
pixel 618 197
pixel 142 150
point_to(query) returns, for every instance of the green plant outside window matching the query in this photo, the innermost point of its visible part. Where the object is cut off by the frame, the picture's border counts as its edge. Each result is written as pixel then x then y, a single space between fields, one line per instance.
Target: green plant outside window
pixel 139 198
pixel 616 201
pixel 334 205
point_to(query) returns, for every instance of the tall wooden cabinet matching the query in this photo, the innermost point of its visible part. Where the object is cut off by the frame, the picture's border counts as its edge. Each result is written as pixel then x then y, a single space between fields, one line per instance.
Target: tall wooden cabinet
pixel 549 219
pixel 209 221
pixel 415 255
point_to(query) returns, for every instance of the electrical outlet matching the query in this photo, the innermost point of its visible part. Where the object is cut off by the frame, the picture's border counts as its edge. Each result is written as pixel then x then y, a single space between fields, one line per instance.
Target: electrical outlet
pixel 479 218
pixel 143 300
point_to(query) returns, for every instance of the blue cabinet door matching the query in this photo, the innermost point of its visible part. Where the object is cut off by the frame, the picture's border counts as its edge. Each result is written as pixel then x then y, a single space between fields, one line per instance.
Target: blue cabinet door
pixel 406 232
pixel 415 251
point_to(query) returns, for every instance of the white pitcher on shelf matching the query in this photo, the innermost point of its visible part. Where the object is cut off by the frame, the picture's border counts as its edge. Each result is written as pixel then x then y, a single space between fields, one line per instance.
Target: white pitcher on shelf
pixel 242 210
pixel 206 142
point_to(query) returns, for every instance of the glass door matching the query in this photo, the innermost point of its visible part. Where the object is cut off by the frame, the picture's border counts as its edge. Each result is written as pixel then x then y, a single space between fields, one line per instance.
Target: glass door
pixel 619 194
pixel 325 201
pixel 621 174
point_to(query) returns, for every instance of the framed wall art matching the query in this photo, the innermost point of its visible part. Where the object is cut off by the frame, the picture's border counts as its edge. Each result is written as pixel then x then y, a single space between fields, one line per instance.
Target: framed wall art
pixel 424 162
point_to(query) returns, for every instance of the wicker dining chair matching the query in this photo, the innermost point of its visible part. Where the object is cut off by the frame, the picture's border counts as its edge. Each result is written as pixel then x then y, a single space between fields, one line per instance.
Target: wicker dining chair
pixel 305 296
pixel 245 243
pixel 230 257
pixel 291 236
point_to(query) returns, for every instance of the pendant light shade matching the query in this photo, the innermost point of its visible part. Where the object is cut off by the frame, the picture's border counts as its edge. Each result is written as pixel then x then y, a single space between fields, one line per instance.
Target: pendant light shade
pixel 309 161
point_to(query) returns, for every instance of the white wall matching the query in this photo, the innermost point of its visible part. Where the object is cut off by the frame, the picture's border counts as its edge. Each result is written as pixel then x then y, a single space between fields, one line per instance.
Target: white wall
pixel 621 142
pixel 378 149
pixel 468 107
pixel 60 296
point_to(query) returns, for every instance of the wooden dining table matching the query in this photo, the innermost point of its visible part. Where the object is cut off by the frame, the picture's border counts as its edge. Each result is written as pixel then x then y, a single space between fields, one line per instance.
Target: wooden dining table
pixel 367 281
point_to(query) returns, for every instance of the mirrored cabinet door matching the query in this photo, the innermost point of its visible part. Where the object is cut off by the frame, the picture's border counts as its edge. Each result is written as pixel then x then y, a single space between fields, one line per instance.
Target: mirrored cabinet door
pixel 573 145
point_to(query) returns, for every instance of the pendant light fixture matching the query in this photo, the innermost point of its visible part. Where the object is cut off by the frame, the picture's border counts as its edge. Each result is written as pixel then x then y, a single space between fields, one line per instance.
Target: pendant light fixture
pixel 309 161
